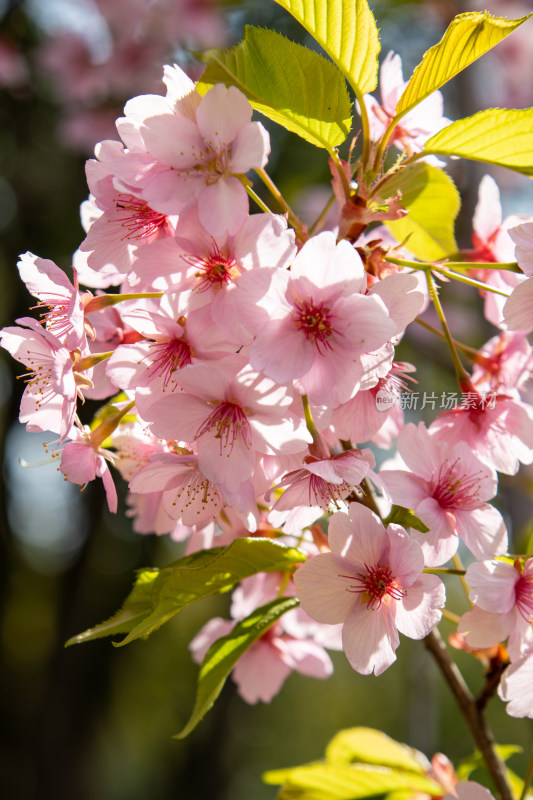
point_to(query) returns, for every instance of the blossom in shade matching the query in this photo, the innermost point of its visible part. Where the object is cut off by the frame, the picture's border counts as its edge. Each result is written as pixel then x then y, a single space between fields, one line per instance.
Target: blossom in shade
pixel 503 597
pixel 517 314
pixel 417 125
pixel 264 667
pixel 83 460
pixel 447 487
pixel 373 582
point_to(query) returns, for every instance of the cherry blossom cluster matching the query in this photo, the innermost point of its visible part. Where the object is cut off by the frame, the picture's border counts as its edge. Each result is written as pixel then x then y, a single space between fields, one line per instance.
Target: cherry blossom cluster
pixel 240 366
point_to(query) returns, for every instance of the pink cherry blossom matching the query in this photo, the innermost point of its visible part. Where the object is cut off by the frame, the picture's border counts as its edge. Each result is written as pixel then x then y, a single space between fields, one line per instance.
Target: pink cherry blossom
pixel 447 488
pixel 493 243
pixel 199 156
pixel 503 597
pixel 46 281
pixel 313 324
pixel 83 460
pixel 499 432
pixel 53 383
pixel 517 314
pixel 516 687
pixel 417 125
pixel 231 411
pixel 373 582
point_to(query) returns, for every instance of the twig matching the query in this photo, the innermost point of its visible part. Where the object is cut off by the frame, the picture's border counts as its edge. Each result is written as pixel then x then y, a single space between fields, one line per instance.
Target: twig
pixel 474 716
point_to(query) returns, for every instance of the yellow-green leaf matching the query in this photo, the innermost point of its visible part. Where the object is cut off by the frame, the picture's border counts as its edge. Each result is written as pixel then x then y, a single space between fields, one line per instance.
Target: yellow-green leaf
pixel 467 38
pixel 346 782
pixel 433 203
pixel 502 136
pixel 346 30
pixel 370 746
pixel 288 83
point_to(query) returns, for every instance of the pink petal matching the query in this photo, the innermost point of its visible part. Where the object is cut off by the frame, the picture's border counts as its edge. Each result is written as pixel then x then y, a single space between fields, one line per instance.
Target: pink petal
pixel 369 639
pixel 223 206
pixel 418 612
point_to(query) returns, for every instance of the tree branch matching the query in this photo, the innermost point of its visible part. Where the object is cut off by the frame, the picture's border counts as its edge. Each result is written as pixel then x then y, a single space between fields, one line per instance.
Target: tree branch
pixel 474 715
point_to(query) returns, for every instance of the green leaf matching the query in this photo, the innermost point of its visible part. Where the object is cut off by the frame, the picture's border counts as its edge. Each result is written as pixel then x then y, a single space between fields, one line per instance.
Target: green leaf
pixel 467 38
pixel 225 652
pixel 346 782
pixel 346 30
pixel 370 746
pixel 136 606
pixel 476 760
pixel 406 518
pixel 433 203
pixel 502 136
pixel 286 82
pixel 159 594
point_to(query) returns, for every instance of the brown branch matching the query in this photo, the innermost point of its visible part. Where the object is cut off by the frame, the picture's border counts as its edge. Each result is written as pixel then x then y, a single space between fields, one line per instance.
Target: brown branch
pixel 474 715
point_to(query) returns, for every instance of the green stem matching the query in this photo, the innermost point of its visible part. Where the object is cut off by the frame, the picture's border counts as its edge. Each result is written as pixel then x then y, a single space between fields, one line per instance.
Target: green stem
pixel 257 200
pixel 458 564
pixel 276 194
pixel 528 778
pixel 309 421
pixel 511 266
pixel 471 282
pixel 460 372
pixel 317 224
pixel 470 352
pixel 443 571
pixel 383 144
pixel 365 125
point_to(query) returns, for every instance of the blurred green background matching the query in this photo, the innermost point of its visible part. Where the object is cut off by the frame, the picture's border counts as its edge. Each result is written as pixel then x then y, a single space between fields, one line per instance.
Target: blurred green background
pixel 95 722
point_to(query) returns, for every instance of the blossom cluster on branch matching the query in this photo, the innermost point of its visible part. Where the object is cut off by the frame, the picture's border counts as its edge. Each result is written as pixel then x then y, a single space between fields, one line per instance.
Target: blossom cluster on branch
pixel 249 374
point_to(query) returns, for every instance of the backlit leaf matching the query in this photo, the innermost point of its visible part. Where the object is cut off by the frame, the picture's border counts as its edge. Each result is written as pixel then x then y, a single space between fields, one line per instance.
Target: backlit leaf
pixel 286 82
pixel 369 746
pixel 433 203
pixel 502 136
pixel 468 37
pixel 346 30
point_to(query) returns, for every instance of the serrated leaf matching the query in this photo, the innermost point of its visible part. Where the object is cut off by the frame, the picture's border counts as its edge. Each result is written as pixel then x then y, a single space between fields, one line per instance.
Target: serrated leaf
pixel 433 203
pixel 406 518
pixel 347 31
pixel 369 746
pixel 346 782
pixel 226 651
pixel 191 578
pixel 288 83
pixel 468 37
pixel 502 136
pixel 136 606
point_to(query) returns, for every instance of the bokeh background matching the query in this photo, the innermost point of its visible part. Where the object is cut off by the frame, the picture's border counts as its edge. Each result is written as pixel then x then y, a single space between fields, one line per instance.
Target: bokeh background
pixel 94 721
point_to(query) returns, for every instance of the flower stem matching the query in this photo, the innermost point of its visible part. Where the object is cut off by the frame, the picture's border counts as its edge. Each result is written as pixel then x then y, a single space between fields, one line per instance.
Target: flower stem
pixel 474 716
pixel 276 194
pixel 486 287
pixel 470 352
pixel 309 421
pixel 317 224
pixel 443 571
pixel 257 200
pixel 460 372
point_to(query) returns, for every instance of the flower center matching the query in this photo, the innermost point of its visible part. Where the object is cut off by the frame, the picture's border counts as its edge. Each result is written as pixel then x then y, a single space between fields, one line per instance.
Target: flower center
pixel 315 320
pixel 453 489
pixel 167 358
pixel 139 220
pixel 218 269
pixel 375 586
pixel 231 424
